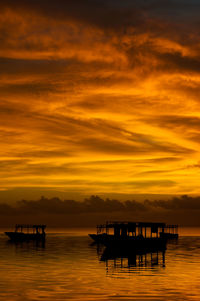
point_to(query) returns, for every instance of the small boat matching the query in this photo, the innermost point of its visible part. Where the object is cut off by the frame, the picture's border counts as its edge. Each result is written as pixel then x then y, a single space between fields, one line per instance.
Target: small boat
pixel 137 235
pixel 32 232
pixel 169 236
pixel 170 233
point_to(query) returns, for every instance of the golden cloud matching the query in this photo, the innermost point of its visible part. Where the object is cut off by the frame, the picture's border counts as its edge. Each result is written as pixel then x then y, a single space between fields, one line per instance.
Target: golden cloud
pixel 99 97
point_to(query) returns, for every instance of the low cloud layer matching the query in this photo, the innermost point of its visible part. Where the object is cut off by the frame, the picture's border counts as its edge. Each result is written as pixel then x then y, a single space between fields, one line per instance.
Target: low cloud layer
pixel 56 212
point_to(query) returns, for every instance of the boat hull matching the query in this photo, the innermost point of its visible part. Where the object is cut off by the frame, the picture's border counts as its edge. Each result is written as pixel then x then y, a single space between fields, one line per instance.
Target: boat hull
pixel 169 235
pixel 20 236
pixel 129 241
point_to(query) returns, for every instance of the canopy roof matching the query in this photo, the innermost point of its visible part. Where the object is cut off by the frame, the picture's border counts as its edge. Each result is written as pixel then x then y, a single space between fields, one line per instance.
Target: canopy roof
pixel 112 224
pixel 30 226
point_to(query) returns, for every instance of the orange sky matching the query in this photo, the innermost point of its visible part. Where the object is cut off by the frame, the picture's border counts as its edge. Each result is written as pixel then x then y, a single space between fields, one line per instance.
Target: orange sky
pixel 100 96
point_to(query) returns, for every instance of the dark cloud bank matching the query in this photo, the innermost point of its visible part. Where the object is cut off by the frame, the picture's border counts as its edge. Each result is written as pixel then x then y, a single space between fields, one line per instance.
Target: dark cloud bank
pixel 184 210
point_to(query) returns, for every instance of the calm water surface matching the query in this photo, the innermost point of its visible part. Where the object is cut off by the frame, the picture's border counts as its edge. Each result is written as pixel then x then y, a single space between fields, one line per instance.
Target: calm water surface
pixel 68 267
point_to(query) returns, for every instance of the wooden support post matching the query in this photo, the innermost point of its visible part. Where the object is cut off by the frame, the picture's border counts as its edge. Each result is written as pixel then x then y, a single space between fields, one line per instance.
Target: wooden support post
pixel 163 258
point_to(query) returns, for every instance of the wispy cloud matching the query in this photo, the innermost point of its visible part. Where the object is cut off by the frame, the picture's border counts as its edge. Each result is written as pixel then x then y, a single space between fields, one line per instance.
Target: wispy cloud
pixel 100 95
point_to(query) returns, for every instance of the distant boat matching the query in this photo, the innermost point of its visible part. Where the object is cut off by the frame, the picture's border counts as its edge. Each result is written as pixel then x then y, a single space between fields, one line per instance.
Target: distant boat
pixel 169 236
pixel 32 232
pixel 138 235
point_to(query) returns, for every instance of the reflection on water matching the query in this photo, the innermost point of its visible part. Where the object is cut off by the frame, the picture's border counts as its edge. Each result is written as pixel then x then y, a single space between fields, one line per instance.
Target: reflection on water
pixel 27 245
pixel 126 260
pixel 68 267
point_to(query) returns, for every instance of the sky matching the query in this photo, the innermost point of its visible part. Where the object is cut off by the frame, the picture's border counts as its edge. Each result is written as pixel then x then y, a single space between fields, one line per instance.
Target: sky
pixel 55 212
pixel 99 97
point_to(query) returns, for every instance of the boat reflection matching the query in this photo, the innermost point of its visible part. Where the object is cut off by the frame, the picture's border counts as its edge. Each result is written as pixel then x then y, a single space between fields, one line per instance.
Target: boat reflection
pixel 27 245
pixel 130 260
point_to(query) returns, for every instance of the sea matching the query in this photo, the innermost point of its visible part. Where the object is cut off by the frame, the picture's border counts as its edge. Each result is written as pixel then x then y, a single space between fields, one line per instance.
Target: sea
pixel 68 266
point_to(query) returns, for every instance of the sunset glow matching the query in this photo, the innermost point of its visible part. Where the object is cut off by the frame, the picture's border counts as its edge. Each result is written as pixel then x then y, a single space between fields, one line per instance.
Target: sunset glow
pixel 100 98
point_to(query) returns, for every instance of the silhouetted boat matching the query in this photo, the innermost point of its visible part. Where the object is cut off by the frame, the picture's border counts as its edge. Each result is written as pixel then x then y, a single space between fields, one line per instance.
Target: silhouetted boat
pixel 33 232
pixel 169 236
pixel 170 232
pixel 137 235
